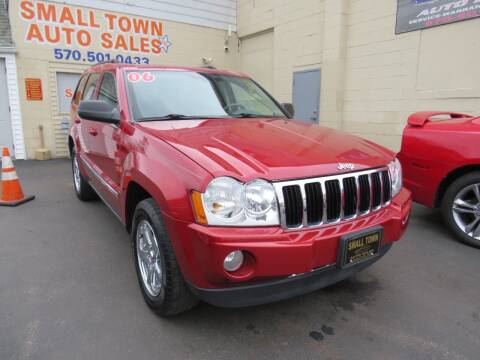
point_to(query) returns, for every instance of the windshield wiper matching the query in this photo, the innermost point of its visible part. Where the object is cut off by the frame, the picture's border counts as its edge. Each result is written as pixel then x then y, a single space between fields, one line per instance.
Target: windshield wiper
pixel 250 115
pixel 171 117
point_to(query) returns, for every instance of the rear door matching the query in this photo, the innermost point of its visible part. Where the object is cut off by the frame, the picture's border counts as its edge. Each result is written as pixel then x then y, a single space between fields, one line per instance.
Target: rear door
pixel 6 135
pixel 88 140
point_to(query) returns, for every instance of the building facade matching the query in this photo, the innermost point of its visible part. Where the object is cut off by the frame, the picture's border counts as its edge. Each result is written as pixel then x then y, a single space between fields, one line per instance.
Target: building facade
pixel 358 65
pixel 55 41
pixel 11 126
pixel 371 78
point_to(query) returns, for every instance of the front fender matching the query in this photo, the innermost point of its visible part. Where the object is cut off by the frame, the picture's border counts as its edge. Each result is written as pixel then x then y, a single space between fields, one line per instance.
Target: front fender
pixel 168 176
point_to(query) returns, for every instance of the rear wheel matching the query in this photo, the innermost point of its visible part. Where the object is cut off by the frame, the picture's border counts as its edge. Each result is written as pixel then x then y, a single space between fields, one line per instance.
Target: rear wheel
pixel 82 188
pixel 461 208
pixel 158 273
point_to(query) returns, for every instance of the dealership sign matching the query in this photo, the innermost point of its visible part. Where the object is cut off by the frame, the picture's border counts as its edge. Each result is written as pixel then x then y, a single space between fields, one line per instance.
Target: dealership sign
pixel 74 30
pixel 421 14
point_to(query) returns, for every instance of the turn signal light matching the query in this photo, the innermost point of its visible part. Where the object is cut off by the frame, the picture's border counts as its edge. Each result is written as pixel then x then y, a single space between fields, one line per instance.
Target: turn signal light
pixel 198 209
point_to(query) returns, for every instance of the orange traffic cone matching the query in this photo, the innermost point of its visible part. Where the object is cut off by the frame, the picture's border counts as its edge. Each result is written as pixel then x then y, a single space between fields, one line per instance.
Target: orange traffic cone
pixel 11 193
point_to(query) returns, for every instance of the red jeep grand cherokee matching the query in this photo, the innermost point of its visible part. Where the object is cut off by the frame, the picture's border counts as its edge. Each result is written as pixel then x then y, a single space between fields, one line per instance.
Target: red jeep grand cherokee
pixel 441 162
pixel 228 200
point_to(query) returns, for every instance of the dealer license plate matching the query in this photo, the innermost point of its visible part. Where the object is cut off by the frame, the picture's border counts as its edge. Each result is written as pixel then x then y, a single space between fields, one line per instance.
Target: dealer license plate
pixel 361 246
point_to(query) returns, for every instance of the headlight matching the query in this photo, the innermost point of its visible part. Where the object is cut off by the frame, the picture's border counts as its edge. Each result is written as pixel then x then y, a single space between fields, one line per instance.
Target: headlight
pixel 259 197
pixel 227 202
pixel 395 170
pixel 223 198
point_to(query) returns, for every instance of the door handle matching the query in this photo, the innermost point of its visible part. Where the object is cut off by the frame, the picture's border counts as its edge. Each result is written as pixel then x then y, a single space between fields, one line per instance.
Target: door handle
pixel 92 131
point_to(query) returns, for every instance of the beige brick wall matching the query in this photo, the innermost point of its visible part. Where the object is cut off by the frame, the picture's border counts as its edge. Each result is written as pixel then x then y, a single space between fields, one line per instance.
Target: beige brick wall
pixel 297 37
pixel 372 79
pixel 254 16
pixel 389 76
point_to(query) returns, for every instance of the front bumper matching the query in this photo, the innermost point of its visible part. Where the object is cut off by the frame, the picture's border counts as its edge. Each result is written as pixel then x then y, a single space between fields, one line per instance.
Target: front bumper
pixel 271 291
pixel 274 255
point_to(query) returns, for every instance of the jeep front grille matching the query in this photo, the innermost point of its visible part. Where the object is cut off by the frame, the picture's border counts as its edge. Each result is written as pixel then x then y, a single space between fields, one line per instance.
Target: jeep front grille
pixel 331 199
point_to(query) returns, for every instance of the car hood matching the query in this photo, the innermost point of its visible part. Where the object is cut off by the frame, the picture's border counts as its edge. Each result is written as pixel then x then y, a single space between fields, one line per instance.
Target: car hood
pixel 272 149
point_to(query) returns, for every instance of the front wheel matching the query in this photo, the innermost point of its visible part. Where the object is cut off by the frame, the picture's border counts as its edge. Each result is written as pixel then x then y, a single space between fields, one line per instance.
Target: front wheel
pixel 158 273
pixel 461 208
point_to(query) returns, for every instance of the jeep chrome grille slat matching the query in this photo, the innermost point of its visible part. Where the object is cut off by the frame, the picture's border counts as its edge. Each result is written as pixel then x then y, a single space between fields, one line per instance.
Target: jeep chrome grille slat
pixel 309 203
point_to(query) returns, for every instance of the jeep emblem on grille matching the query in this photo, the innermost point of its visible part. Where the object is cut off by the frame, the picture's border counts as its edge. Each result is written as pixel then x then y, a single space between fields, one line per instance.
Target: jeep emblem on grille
pixel 346 166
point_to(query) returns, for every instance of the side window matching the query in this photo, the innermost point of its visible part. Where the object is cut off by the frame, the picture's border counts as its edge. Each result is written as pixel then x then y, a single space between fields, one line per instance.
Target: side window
pixel 108 89
pixel 79 90
pixel 249 97
pixel 89 92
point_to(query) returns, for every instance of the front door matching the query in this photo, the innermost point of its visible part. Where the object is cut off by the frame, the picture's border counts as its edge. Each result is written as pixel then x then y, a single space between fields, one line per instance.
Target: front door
pixel 107 155
pixel 6 136
pixel 102 142
pixel 306 95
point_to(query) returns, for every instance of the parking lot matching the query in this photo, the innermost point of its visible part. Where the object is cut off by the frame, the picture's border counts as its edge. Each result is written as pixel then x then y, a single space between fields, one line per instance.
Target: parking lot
pixel 68 290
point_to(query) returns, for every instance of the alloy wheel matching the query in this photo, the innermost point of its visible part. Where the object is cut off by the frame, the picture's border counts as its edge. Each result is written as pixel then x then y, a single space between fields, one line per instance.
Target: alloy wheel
pixel 466 210
pixel 148 257
pixel 76 174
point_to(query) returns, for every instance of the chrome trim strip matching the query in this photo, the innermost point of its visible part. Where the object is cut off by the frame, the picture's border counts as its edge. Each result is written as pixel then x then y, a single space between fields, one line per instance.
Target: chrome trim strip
pixel 304 208
pixel 99 177
pixel 324 195
pixel 391 192
pixel 281 206
pixel 370 183
pixel 380 175
pixel 342 199
pixel 357 184
pixel 381 195
pixel 106 202
pixel 321 180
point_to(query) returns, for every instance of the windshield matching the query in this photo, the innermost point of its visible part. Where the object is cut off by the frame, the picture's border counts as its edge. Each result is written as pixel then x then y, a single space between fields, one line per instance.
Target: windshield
pixel 171 94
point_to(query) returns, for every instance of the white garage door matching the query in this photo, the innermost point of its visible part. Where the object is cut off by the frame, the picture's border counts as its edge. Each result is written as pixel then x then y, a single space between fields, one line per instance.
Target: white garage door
pixel 6 137
pixel 66 84
pixel 256 59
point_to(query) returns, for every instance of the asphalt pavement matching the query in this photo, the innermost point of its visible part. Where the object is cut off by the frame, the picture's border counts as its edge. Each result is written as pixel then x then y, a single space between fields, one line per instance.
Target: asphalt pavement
pixel 68 290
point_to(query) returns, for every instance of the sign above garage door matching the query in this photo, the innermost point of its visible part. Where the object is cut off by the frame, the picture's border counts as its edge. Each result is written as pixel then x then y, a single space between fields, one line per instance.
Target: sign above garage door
pixel 421 14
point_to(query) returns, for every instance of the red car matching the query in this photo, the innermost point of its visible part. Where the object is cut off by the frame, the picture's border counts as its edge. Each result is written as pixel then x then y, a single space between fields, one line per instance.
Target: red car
pixel 441 162
pixel 226 198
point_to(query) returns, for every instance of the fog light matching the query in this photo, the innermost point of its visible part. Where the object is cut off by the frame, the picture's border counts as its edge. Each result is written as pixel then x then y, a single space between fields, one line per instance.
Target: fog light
pixel 233 261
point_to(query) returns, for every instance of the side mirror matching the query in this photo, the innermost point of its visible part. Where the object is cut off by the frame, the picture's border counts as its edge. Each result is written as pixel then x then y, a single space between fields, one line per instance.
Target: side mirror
pixel 288 107
pixel 99 110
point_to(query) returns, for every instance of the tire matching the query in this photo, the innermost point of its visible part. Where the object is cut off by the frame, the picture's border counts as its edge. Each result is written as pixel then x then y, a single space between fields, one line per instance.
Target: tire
pixel 82 188
pixel 459 221
pixel 169 294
